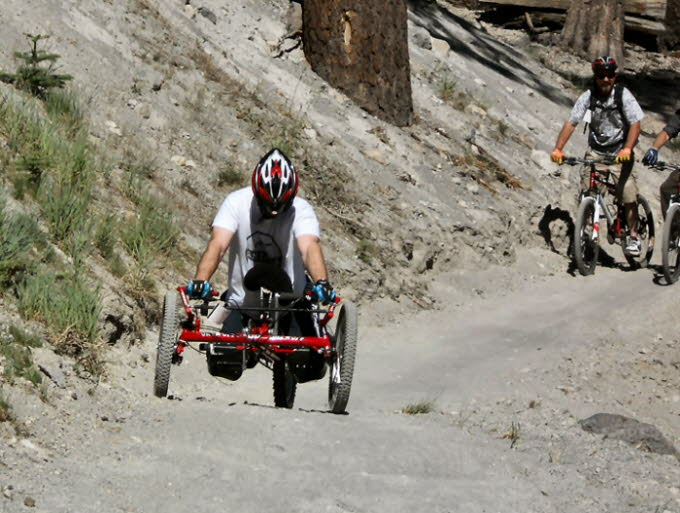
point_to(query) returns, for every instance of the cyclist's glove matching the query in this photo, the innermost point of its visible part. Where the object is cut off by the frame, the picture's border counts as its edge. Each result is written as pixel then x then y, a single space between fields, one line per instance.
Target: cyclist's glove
pixel 557 156
pixel 323 291
pixel 651 157
pixel 624 155
pixel 199 289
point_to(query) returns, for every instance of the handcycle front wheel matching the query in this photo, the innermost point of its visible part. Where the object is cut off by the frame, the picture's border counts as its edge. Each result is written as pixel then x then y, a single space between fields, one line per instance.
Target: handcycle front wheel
pixel 586 250
pixel 646 233
pixel 285 384
pixel 167 341
pixel 670 253
pixel 344 355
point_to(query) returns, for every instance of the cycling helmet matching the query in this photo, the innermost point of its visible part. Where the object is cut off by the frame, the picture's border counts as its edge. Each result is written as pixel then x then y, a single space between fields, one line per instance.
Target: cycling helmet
pixel 604 66
pixel 275 183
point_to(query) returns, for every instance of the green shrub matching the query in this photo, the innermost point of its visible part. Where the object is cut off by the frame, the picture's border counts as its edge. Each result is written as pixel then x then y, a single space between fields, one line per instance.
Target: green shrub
pixel 153 231
pixel 5 408
pixel 37 73
pixel 65 303
pixel 366 250
pixel 421 407
pixel 18 235
pixel 18 361
pixel 64 108
pixel 24 338
pixel 228 175
pixel 105 235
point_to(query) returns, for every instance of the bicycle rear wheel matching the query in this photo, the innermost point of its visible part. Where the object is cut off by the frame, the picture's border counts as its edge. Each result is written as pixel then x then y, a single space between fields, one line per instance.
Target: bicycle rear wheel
pixel 670 253
pixel 586 250
pixel 645 233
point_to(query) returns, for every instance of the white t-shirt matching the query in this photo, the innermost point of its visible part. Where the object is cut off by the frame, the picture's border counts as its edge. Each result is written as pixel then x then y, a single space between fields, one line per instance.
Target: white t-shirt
pixel 260 240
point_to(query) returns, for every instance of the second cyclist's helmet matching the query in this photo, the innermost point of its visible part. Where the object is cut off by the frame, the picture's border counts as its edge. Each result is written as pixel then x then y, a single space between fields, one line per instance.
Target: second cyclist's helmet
pixel 275 183
pixel 604 66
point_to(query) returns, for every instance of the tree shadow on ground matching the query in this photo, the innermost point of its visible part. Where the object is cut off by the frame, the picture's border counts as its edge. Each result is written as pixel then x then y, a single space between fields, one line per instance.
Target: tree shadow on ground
pixel 557 229
pixel 486 50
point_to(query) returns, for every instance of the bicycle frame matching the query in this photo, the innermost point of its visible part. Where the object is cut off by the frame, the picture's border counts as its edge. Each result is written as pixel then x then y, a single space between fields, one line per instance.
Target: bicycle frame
pixel 600 205
pixel 262 336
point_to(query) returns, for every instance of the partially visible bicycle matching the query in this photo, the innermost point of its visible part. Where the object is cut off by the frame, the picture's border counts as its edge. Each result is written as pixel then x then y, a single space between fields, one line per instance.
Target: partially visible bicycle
pixel 670 242
pixel 598 202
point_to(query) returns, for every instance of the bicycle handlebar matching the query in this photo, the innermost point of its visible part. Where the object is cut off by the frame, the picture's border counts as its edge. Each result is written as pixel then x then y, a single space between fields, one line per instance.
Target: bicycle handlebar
pixel 572 161
pixel 662 166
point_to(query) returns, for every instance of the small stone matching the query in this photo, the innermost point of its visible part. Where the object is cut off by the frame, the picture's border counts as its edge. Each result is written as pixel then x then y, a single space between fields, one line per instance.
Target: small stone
pixel 29 502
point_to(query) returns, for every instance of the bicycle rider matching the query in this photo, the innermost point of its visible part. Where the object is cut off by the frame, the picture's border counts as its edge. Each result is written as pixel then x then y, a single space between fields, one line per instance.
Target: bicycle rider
pixel 272 236
pixel 670 185
pixel 614 117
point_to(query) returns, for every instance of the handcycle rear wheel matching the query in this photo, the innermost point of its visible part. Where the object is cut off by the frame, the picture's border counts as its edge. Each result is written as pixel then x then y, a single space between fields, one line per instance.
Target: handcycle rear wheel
pixel 344 355
pixel 285 384
pixel 586 250
pixel 645 233
pixel 670 253
pixel 167 341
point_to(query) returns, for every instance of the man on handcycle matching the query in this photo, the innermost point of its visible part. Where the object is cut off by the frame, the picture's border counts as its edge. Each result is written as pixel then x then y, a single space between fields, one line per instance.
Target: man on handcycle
pixel 614 118
pixel 273 237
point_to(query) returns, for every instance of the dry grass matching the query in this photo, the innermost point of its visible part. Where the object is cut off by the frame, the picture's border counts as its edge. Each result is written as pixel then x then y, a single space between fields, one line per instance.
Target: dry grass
pixel 419 408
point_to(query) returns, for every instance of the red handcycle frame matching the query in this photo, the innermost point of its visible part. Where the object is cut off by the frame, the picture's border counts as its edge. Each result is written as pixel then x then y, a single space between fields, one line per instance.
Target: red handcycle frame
pixel 259 337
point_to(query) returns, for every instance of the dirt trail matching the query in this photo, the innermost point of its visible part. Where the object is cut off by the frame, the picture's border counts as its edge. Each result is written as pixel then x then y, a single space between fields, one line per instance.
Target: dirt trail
pixel 223 446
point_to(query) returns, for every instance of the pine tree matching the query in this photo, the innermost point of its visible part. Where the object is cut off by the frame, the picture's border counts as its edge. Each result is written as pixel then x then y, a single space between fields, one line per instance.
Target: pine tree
pixel 36 75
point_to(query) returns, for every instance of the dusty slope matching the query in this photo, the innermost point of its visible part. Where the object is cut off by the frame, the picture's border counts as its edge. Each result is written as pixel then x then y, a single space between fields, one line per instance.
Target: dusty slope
pixel 222 445
pixel 115 448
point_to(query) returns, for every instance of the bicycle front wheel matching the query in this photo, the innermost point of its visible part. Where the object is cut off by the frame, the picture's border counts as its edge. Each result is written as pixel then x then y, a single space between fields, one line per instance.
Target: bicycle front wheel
pixel 586 249
pixel 645 233
pixel 670 255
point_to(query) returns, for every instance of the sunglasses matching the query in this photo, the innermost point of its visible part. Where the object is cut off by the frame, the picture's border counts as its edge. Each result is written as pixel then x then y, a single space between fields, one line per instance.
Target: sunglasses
pixel 606 74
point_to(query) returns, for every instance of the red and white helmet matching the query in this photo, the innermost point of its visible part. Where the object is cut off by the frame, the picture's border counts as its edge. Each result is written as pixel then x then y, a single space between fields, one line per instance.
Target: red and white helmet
pixel 275 183
pixel 604 66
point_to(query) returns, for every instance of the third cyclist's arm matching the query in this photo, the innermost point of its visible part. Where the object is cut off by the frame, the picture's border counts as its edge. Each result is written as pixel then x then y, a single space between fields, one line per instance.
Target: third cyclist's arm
pixel 661 140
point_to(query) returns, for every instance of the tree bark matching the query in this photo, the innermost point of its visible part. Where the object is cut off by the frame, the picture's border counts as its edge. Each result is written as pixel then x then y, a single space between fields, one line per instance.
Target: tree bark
pixel 361 48
pixel 594 28
pixel 670 39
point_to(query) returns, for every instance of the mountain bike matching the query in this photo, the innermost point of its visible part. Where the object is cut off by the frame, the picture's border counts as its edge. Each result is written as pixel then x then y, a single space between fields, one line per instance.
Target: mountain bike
pixel 264 339
pixel 670 241
pixel 597 203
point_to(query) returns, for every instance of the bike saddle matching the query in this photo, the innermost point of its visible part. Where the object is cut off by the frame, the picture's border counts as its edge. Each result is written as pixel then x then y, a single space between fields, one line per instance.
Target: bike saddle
pixel 267 276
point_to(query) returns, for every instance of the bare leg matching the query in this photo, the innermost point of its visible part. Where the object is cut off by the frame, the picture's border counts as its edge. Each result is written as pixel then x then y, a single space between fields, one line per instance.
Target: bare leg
pixel 632 218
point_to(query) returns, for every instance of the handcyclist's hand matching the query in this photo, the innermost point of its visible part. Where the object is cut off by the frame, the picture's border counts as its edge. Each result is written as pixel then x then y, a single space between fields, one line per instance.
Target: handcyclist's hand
pixel 557 156
pixel 624 155
pixel 199 289
pixel 323 291
pixel 651 157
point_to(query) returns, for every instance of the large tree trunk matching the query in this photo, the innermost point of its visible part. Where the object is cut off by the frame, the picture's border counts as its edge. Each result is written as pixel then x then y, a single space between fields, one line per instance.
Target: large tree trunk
pixel 594 28
pixel 670 40
pixel 361 47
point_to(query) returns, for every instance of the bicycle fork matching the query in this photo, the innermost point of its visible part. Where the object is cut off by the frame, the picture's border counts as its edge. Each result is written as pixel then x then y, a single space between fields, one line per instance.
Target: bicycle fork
pixel 600 207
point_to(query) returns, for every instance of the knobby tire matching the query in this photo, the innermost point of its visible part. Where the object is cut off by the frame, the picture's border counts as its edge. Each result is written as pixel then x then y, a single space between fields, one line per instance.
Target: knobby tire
pixel 167 341
pixel 586 251
pixel 344 356
pixel 285 385
pixel 670 253
pixel 646 232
